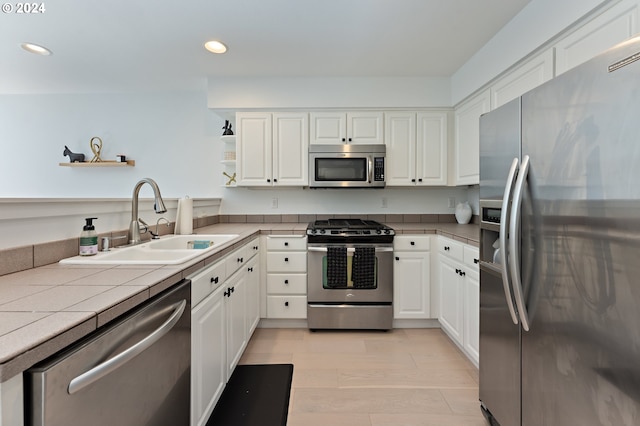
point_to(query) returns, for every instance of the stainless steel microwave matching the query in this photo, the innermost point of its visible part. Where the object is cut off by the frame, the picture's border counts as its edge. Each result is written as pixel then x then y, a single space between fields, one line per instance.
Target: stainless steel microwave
pixel 347 166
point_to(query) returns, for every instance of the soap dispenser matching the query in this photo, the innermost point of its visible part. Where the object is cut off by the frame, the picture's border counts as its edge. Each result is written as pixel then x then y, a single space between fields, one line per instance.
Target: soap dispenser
pixel 89 238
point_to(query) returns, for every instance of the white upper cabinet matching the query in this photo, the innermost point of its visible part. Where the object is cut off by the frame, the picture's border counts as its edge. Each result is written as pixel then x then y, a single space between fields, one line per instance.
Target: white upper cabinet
pixel 254 149
pixel 416 148
pixel 467 138
pixel 347 127
pixel 520 80
pixel 611 27
pixel 290 149
pixel 272 149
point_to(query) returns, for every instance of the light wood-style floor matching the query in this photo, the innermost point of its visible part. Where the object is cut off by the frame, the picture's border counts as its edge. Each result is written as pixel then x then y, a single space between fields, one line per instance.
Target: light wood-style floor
pixel 414 377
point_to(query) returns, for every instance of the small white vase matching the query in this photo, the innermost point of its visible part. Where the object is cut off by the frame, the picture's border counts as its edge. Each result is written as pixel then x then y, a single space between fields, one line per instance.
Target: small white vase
pixel 463 212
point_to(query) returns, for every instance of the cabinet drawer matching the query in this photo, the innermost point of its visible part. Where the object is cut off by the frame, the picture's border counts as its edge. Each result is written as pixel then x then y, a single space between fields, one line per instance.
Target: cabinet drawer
pixel 450 248
pixel 286 306
pixel 206 281
pixel 412 243
pixel 287 283
pixel 235 260
pixel 471 256
pixel 252 248
pixel 286 242
pixel 287 262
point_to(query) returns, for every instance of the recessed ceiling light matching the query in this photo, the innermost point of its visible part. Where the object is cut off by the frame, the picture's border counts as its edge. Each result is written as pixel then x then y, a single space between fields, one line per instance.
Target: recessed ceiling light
pixel 37 49
pixel 215 46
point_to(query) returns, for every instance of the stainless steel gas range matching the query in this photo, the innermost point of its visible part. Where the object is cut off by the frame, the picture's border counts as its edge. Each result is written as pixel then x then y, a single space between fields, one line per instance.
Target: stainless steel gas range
pixel 350 274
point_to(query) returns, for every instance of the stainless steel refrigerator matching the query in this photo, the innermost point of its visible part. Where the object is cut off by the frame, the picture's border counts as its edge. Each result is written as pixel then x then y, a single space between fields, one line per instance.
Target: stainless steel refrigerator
pixel 560 249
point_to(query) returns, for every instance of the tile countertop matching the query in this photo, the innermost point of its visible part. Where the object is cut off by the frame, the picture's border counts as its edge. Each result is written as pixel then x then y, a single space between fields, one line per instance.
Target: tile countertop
pixel 46 309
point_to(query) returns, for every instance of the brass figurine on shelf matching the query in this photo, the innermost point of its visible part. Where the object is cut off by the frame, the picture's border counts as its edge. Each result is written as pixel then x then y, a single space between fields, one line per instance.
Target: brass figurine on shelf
pixel 227 129
pixel 232 178
pixel 73 157
pixel 96 147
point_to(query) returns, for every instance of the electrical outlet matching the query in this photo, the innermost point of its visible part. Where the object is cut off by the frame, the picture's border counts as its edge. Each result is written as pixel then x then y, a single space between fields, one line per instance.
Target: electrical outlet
pixel 452 202
pixel 274 203
pixel 384 203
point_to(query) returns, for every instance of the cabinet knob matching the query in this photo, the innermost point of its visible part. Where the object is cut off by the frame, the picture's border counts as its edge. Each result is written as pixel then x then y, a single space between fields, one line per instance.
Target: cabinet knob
pixel 476 261
pixel 350 139
pixel 214 280
pixel 286 243
pixel 275 180
pixel 420 180
pixel 286 304
pixel 462 273
pixel 413 180
pixel 268 180
pixel 250 269
pixel 397 258
pixel 344 140
pixel 286 259
pixel 232 289
pixel 446 248
pixel 286 281
pixel 413 243
pixel 227 293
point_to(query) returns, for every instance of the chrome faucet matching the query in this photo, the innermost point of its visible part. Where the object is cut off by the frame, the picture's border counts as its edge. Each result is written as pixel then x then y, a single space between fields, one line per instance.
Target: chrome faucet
pixel 134 227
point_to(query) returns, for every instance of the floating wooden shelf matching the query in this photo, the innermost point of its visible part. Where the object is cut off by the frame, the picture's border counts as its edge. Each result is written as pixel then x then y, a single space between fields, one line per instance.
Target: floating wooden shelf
pixel 128 163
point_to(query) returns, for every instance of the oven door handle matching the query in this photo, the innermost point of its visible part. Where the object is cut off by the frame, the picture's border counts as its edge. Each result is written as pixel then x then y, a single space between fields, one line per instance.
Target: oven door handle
pixel 350 249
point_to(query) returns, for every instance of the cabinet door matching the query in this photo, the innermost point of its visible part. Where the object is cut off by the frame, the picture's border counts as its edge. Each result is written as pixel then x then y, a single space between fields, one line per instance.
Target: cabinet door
pixel 290 149
pixel 467 139
pixel 411 289
pixel 400 139
pixel 431 148
pixel 472 315
pixel 613 26
pixel 365 128
pixel 451 299
pixel 328 128
pixel 254 149
pixel 253 295
pixel 522 79
pixel 235 315
pixel 208 367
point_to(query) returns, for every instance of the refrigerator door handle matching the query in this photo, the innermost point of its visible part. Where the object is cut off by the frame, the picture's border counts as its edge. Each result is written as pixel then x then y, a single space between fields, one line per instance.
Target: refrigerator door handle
pixel 514 249
pixel 504 222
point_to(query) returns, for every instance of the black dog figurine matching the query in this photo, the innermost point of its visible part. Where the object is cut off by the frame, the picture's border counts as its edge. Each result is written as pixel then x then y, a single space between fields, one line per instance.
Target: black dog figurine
pixel 72 156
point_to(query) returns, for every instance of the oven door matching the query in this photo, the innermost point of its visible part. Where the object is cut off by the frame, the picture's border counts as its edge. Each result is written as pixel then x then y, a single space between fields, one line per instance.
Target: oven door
pixel 324 287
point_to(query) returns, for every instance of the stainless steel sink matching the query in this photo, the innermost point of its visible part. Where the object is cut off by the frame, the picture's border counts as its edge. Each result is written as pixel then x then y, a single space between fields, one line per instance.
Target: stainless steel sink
pixel 169 250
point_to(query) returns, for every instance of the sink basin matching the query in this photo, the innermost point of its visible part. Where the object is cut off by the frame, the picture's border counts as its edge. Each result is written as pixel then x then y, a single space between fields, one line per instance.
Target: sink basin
pixel 169 250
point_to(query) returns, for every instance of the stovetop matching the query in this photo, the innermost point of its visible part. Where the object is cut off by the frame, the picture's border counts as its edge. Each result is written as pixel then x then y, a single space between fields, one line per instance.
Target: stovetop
pixel 349 230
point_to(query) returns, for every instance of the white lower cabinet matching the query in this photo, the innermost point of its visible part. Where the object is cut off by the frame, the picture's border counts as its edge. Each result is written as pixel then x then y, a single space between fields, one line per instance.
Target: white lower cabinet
pixel 208 367
pixel 460 294
pixel 225 311
pixel 287 276
pixel 411 277
pixel 235 314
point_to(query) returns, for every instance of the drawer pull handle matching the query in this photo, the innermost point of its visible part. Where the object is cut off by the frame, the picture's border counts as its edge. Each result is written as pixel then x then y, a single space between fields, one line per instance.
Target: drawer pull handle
pixel 250 269
pixel 214 280
pixel 447 248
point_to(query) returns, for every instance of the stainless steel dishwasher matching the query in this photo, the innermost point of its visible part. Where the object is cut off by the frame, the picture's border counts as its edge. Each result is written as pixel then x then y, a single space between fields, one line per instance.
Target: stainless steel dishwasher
pixel 134 372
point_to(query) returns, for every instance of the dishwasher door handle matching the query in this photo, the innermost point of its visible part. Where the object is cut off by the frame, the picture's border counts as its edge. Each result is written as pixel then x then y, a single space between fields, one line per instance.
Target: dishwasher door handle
pixel 98 372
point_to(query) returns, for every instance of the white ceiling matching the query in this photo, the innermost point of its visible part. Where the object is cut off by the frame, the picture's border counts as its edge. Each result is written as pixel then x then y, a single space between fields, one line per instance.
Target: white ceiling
pixel 119 45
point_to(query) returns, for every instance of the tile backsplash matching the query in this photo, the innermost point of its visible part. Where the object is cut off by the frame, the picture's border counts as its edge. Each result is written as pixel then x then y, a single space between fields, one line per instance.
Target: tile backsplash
pixel 17 259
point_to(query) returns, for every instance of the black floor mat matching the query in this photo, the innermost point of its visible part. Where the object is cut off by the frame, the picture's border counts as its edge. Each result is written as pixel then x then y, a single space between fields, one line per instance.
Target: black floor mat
pixel 255 395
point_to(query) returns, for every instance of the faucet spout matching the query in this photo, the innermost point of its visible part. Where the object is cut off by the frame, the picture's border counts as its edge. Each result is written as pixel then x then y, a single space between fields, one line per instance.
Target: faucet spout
pixel 134 227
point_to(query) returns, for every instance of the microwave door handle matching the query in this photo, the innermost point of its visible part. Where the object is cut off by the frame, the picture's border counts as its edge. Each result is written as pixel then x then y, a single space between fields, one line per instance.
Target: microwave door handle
pixel 370 170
